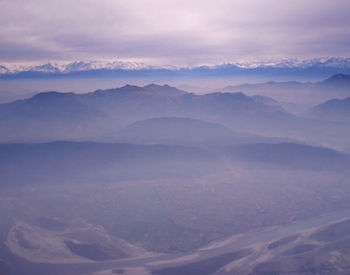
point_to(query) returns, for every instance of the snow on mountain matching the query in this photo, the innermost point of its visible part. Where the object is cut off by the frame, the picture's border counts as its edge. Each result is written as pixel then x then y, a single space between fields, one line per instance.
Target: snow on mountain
pixel 97 65
pixel 73 67
pixel 77 66
pixel 337 62
pixel 49 68
pixel 3 70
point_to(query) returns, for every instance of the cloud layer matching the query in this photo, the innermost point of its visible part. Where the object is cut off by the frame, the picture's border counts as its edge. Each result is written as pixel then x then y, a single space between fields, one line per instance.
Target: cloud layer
pixel 179 32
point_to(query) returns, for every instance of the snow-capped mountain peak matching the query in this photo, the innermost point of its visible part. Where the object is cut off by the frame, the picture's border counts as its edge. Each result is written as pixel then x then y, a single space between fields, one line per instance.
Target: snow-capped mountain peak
pixel 78 66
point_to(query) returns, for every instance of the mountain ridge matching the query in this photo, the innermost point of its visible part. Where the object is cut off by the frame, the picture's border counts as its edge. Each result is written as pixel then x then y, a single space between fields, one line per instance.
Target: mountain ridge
pixel 106 68
pixel 107 110
pixel 332 109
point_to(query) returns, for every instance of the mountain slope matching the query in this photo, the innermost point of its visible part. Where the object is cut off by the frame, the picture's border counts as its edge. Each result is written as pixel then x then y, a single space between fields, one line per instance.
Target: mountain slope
pixel 80 161
pixel 185 131
pixel 291 156
pixel 54 105
pixel 338 79
pixel 265 99
pixel 334 109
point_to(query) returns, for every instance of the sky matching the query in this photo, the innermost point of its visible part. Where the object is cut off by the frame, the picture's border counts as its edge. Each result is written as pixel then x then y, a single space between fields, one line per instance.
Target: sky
pixel 172 32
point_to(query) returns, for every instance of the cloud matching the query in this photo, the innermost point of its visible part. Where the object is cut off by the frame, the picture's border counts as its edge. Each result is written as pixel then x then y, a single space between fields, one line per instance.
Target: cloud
pixel 172 32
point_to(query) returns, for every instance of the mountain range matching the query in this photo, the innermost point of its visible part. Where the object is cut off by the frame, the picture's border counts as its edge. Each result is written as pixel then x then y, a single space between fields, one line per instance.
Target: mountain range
pixel 60 114
pixel 311 67
pixel 301 93
pixel 102 115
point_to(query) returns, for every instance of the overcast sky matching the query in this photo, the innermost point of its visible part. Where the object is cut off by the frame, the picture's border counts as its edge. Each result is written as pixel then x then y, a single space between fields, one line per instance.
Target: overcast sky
pixel 172 32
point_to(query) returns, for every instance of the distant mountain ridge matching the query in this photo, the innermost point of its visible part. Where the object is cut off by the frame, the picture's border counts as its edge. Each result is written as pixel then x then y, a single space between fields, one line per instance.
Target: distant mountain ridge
pixel 336 85
pixel 336 79
pixel 114 68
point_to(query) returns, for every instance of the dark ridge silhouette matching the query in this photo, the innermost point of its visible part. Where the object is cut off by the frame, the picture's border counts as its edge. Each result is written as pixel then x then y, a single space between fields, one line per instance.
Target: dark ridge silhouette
pixel 165 90
pixel 338 79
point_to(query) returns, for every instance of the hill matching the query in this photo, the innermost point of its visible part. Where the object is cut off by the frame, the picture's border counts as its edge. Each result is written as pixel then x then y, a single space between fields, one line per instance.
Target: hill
pixel 81 161
pixel 186 131
pixel 334 109
pixel 165 90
